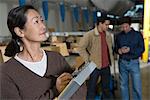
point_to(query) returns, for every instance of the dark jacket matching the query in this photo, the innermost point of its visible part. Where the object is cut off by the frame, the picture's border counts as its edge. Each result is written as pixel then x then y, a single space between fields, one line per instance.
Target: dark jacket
pixel 132 39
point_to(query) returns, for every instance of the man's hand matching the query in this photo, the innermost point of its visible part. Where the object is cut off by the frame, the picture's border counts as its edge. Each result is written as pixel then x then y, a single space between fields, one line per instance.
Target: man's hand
pixel 120 51
pixel 123 49
pixel 62 81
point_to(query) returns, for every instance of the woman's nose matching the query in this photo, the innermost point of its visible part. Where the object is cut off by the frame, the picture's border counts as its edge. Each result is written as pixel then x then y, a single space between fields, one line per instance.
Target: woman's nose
pixel 43 26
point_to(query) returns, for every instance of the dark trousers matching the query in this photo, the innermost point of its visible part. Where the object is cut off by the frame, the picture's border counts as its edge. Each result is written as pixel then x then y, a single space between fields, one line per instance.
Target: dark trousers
pixel 105 80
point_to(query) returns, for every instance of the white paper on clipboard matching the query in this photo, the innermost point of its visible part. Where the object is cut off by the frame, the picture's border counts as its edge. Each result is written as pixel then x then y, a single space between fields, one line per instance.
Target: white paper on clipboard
pixel 76 82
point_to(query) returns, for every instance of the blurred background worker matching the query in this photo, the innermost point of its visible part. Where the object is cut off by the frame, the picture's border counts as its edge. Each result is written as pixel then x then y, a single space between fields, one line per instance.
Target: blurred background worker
pixel 129 44
pixel 96 45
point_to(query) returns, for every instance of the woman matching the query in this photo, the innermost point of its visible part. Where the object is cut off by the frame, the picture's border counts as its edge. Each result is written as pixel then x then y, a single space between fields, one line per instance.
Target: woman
pixel 31 73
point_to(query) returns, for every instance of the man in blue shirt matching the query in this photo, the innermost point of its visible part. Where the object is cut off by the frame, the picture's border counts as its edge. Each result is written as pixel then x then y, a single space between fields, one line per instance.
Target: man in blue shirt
pixel 129 44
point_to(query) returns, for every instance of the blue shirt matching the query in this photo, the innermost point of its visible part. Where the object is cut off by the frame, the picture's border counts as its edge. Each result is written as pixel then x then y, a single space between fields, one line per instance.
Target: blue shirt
pixel 134 40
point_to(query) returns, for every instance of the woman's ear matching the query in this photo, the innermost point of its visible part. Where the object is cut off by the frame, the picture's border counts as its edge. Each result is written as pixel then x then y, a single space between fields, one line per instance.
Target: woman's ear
pixel 18 31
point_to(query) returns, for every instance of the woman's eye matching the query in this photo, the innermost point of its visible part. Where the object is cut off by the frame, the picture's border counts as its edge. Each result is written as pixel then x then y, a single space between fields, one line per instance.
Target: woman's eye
pixel 42 20
pixel 37 21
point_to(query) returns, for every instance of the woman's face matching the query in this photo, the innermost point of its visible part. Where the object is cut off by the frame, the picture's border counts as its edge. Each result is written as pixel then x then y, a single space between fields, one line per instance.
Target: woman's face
pixel 35 29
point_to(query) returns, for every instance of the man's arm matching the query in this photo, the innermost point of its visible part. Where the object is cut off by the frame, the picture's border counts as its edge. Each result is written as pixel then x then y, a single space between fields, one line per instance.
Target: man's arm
pixel 116 47
pixel 137 52
pixel 84 43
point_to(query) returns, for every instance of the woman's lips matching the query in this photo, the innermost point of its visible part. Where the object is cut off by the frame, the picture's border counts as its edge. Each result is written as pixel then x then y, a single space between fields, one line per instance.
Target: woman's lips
pixel 43 33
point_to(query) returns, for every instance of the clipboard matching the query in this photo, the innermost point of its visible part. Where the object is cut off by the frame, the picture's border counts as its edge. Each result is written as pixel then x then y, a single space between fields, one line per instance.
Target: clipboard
pixel 77 81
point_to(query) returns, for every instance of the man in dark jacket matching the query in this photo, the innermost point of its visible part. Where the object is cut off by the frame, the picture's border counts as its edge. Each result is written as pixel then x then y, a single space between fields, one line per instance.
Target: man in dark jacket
pixel 129 44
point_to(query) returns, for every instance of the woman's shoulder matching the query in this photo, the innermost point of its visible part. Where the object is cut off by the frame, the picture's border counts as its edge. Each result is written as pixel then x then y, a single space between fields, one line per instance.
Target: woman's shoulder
pixel 53 54
pixel 9 62
pixel 8 65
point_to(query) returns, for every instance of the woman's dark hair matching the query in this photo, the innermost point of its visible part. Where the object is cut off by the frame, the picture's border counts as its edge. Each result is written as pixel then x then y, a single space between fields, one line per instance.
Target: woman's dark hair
pixel 16 18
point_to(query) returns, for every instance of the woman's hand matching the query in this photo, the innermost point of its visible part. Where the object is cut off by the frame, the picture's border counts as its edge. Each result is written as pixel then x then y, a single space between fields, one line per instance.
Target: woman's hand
pixel 62 81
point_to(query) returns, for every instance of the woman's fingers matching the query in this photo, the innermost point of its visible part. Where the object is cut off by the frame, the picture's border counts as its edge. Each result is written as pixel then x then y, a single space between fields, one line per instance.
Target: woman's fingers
pixel 63 80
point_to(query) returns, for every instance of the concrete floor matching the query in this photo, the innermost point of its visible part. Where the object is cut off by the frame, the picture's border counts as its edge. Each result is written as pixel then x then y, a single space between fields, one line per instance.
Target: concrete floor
pixel 146 82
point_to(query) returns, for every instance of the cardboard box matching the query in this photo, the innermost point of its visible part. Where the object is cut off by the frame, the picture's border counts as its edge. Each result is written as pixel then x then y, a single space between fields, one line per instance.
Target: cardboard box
pixel 63 48
pixel 51 48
